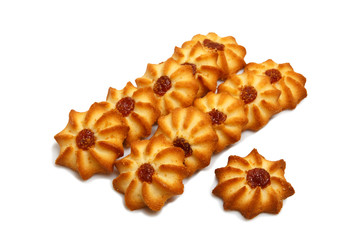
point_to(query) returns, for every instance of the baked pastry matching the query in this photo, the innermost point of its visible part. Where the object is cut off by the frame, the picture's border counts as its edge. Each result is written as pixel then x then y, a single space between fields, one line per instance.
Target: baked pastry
pixel 230 54
pixel 174 84
pixel 283 77
pixel 137 107
pixel 92 140
pixel 151 174
pixel 204 64
pixel 252 185
pixel 191 130
pixel 227 116
pixel 258 94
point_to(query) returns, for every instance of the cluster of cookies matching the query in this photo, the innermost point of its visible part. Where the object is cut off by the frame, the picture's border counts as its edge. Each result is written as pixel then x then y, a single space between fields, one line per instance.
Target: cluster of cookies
pixel 195 118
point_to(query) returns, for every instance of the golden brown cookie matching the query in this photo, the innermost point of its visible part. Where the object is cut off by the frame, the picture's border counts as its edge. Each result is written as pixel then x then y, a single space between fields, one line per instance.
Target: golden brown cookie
pixel 174 84
pixel 227 115
pixel 191 130
pixel 151 174
pixel 230 54
pixel 204 64
pixel 253 185
pixel 258 94
pixel 283 77
pixel 137 107
pixel 92 140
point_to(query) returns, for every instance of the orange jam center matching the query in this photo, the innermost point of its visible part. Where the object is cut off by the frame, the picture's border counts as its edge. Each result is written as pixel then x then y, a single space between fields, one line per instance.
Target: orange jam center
pixel 274 74
pixel 248 94
pixel 258 177
pixel 85 139
pixel 125 106
pixel 145 172
pixel 217 117
pixel 213 45
pixel 162 85
pixel 184 145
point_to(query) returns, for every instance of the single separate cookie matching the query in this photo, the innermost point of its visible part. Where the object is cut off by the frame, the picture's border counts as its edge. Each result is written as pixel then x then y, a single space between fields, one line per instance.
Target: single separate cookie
pixel 174 84
pixel 230 54
pixel 191 130
pixel 258 94
pixel 137 107
pixel 253 185
pixel 92 140
pixel 227 115
pixel 204 64
pixel 151 174
pixel 283 77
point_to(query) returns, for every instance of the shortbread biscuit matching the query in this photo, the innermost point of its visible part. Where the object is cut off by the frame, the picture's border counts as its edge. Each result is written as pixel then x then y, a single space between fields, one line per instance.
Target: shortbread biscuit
pixel 252 185
pixel 204 64
pixel 174 84
pixel 230 54
pixel 283 77
pixel 92 140
pixel 227 115
pixel 137 107
pixel 191 130
pixel 151 174
pixel 258 94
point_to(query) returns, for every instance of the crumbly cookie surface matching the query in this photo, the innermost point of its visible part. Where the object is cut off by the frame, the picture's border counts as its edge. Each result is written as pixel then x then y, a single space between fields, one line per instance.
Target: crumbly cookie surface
pixel 227 115
pixel 92 140
pixel 283 77
pixel 137 107
pixel 204 64
pixel 230 54
pixel 191 130
pixel 151 174
pixel 253 185
pixel 173 84
pixel 257 93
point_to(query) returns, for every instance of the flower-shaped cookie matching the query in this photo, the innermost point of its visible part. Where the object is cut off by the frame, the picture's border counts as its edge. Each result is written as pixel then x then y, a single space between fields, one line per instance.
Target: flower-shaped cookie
pixel 230 54
pixel 283 77
pixel 174 84
pixel 191 130
pixel 252 185
pixel 92 140
pixel 137 107
pixel 227 115
pixel 258 94
pixel 151 174
pixel 204 64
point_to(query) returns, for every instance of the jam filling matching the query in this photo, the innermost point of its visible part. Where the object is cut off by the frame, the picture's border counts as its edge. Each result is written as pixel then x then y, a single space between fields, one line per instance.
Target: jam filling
pixel 145 172
pixel 274 74
pixel 162 85
pixel 193 67
pixel 248 94
pixel 85 139
pixel 125 106
pixel 184 145
pixel 258 177
pixel 213 45
pixel 217 117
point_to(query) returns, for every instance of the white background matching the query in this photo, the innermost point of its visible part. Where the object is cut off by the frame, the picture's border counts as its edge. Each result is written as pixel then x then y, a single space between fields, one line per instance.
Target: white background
pixel 61 55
